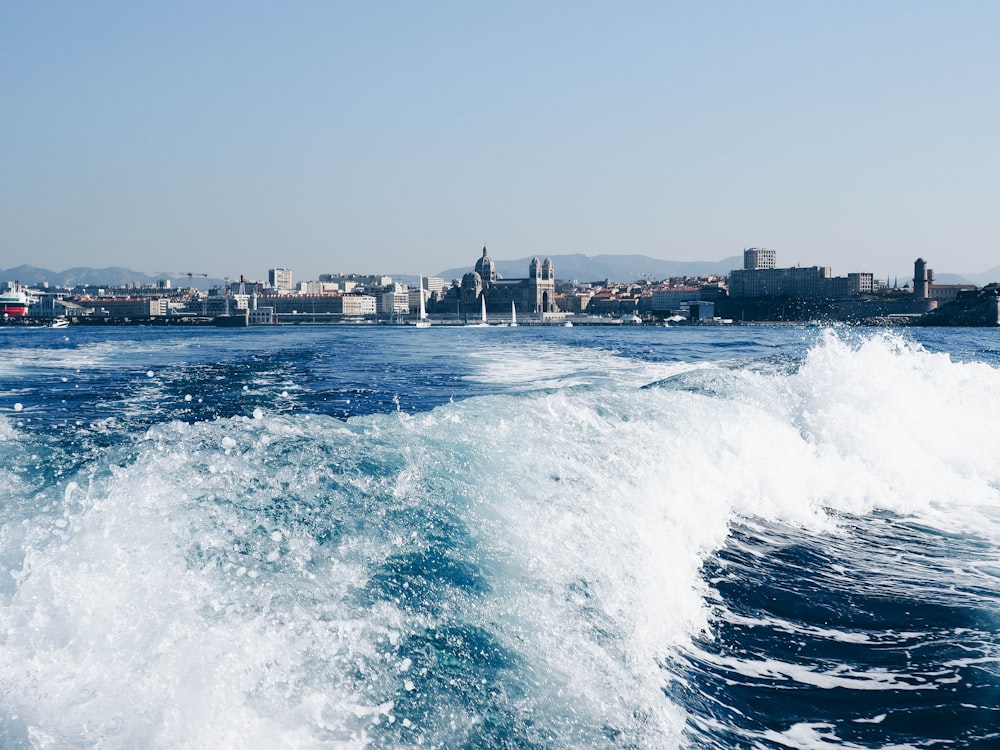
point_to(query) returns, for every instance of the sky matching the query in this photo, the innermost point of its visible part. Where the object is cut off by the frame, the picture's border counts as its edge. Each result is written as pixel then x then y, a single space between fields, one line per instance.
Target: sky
pixel 400 137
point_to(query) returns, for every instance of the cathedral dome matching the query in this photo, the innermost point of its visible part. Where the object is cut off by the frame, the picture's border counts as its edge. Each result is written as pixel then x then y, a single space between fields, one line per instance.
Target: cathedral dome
pixel 486 268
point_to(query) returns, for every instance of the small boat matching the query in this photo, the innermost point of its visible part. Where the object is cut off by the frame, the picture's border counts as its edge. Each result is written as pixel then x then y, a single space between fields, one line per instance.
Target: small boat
pixel 513 315
pixel 59 323
pixel 568 324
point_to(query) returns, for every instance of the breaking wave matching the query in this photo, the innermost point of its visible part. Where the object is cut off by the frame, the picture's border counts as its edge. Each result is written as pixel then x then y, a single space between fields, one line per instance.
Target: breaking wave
pixel 594 545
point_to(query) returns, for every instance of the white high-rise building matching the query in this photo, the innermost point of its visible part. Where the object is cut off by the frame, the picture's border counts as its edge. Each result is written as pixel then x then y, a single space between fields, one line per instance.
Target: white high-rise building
pixel 756 258
pixel 280 279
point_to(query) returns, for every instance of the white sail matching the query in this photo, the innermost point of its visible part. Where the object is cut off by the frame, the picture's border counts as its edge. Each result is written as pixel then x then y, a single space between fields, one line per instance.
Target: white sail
pixel 513 314
pixel 484 309
pixel 422 321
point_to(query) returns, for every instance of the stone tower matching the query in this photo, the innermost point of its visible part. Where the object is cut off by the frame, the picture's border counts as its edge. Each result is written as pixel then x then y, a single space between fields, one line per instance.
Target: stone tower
pixel 921 279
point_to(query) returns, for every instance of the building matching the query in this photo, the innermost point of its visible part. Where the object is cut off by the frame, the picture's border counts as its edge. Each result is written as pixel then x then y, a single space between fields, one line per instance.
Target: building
pixel 435 285
pixel 925 288
pixel 923 277
pixel 415 294
pixel 348 281
pixel 758 258
pixel 280 279
pixel 670 300
pixel 760 278
pixel 945 293
pixel 217 305
pixel 534 295
pixel 576 301
pixel 261 316
pixel 356 305
pixel 701 311
pixel 393 300
pixel 56 306
pixel 317 287
pixel 126 307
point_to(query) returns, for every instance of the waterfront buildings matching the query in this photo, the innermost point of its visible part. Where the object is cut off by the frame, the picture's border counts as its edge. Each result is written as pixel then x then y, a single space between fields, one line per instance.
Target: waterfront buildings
pixel 128 307
pixel 760 291
pixel 760 278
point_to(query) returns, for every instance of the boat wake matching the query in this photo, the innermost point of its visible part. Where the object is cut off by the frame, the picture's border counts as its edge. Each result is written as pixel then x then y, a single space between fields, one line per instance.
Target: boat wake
pixel 758 554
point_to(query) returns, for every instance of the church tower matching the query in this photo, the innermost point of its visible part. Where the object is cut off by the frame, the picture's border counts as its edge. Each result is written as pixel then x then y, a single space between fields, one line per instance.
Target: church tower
pixel 548 270
pixel 542 286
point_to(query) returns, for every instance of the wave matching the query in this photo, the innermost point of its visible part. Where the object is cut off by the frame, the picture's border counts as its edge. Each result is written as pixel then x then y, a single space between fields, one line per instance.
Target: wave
pixel 588 564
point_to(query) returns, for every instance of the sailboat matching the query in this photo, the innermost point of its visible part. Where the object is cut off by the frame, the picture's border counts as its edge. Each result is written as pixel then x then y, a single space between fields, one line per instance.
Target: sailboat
pixel 513 315
pixel 422 321
pixel 482 317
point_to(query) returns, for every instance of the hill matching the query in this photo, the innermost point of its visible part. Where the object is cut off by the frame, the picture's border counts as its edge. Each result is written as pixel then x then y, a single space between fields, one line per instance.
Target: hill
pixel 979 279
pixel 112 276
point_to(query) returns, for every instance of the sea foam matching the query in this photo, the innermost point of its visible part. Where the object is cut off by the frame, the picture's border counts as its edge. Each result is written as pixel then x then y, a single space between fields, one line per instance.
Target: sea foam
pixel 510 568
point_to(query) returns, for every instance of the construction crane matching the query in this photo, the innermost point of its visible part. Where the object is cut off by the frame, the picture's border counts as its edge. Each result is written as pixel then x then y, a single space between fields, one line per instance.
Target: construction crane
pixel 191 276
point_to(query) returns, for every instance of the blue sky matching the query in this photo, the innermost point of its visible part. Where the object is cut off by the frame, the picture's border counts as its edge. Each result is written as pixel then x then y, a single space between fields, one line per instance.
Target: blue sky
pixel 230 137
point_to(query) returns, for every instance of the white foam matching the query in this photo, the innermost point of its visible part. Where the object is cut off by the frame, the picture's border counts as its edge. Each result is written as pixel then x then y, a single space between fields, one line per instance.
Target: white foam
pixel 774 671
pixel 590 512
pixel 548 365
pixel 114 638
pixel 820 736
pixel 895 427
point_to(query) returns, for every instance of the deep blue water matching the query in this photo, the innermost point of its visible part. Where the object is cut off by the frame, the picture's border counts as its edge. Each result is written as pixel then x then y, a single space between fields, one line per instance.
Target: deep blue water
pixel 306 537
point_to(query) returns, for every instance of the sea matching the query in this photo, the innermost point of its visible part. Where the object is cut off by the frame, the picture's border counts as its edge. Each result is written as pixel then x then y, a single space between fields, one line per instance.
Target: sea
pixel 482 537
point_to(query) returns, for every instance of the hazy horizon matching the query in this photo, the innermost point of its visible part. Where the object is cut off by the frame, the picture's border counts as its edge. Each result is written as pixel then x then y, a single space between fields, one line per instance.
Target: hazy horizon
pixel 229 138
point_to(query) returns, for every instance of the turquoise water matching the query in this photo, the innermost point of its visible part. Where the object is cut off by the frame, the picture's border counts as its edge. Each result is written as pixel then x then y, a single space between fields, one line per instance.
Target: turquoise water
pixel 534 537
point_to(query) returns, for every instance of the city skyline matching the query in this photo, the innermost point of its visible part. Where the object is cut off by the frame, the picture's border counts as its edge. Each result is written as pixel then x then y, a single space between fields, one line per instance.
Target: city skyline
pixel 247 136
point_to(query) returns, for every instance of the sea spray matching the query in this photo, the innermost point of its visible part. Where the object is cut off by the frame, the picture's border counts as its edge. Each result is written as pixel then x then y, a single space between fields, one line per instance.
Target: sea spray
pixel 620 554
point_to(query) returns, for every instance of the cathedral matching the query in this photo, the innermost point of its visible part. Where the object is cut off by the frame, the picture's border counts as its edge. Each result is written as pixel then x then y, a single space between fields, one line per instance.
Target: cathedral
pixel 533 295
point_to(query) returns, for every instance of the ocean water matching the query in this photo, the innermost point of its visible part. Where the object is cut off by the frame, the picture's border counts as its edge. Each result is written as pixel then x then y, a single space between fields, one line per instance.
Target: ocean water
pixel 381 537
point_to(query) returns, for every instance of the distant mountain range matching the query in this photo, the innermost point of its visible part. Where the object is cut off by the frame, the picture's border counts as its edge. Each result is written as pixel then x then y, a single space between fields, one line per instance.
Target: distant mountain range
pixel 583 268
pixel 979 279
pixel 113 276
